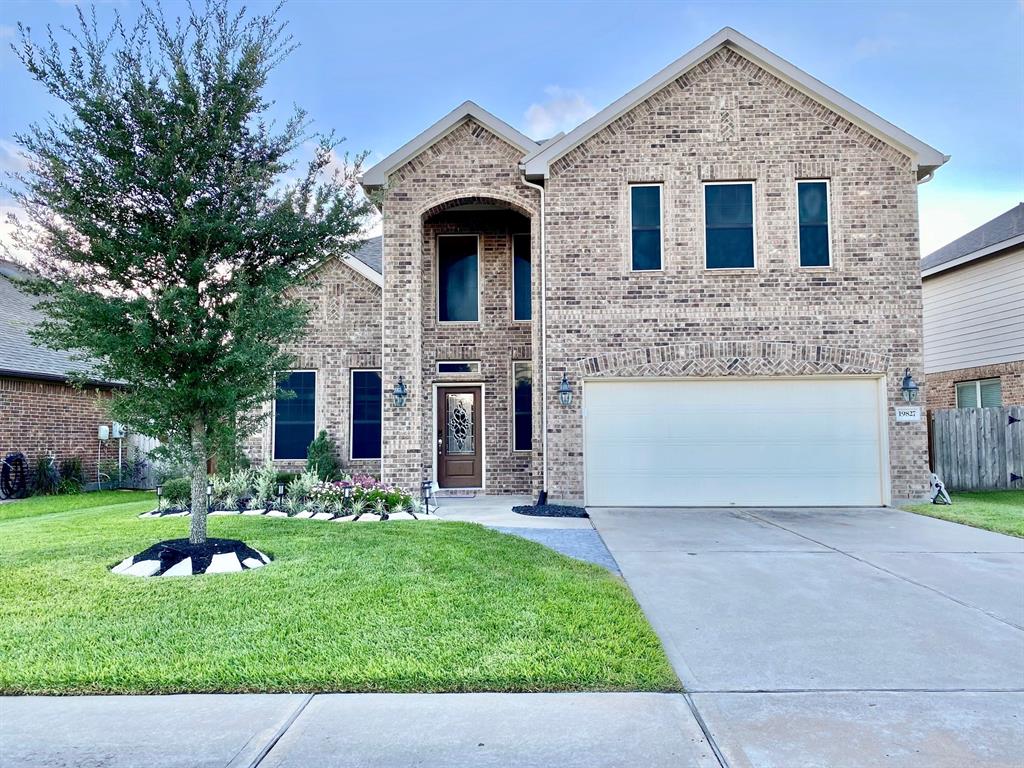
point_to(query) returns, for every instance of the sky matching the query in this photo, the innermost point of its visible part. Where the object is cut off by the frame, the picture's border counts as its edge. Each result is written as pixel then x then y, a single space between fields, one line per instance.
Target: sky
pixel 378 73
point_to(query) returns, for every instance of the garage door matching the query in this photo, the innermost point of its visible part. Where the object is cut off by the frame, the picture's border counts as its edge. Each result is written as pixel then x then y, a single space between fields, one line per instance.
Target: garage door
pixel 751 442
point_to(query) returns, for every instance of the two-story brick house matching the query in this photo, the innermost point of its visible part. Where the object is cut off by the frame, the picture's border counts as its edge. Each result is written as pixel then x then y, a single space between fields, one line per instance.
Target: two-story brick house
pixel 706 294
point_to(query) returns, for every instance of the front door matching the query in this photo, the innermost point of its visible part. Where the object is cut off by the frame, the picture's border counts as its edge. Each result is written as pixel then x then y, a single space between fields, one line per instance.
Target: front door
pixel 459 440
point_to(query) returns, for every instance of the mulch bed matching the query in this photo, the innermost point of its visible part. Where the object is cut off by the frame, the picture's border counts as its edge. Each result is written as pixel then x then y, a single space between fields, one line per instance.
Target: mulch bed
pixel 551 510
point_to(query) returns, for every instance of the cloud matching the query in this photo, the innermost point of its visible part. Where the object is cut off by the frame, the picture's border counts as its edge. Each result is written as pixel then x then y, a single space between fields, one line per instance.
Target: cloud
pixel 562 110
pixel 11 159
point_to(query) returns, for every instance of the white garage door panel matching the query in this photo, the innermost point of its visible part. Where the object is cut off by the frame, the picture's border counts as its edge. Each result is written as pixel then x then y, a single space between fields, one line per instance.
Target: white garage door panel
pixel 799 442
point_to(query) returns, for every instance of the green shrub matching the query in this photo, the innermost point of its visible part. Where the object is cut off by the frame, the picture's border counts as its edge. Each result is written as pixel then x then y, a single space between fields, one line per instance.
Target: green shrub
pixel 265 483
pixel 68 487
pixel 71 473
pixel 178 491
pixel 47 477
pixel 320 458
pixel 286 477
pixel 302 486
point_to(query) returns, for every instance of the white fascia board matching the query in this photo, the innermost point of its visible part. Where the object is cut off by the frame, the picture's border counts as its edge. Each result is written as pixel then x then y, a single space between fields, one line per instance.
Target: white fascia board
pixel 925 157
pixel 378 175
pixel 368 272
pixel 981 253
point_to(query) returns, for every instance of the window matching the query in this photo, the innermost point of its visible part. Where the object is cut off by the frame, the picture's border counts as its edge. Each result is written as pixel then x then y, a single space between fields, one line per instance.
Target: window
pixel 729 225
pixel 455 366
pixel 984 393
pixel 522 400
pixel 645 222
pixel 295 417
pixel 457 279
pixel 812 209
pixel 366 413
pixel 521 310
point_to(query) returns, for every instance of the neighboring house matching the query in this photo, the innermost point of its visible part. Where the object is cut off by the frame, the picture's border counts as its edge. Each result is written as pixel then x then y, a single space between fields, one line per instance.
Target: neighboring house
pixel 974 317
pixel 705 295
pixel 41 413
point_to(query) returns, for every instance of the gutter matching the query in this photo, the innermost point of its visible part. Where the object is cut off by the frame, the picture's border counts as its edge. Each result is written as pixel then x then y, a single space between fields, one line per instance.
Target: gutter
pixel 57 379
pixel 543 345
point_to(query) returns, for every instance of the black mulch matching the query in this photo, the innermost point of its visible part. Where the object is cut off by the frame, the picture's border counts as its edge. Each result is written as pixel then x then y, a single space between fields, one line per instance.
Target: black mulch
pixel 173 551
pixel 551 510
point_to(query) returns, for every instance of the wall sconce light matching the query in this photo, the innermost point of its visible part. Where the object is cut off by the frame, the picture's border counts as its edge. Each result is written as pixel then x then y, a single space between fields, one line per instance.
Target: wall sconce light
pixel 565 390
pixel 909 387
pixel 400 392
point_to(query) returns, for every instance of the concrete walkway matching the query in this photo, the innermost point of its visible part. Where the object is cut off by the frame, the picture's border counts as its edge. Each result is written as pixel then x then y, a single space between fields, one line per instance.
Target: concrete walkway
pixel 835 637
pixel 588 730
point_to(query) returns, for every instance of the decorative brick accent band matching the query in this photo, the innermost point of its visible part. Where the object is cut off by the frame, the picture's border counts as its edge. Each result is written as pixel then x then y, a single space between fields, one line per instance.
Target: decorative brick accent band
pixel 735 358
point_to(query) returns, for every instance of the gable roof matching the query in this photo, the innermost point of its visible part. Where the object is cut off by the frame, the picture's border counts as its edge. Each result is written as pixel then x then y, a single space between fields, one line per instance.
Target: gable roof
pixel 18 355
pixel 371 253
pixel 378 175
pixel 926 158
pixel 1002 232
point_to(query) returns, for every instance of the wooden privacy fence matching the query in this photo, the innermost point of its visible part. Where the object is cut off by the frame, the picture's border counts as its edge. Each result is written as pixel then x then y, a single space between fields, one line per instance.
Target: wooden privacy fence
pixel 978 449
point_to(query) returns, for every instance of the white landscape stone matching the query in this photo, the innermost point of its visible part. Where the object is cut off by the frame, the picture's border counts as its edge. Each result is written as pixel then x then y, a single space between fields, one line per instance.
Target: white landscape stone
pixel 224 512
pixel 265 558
pixel 123 566
pixel 369 517
pixel 254 512
pixel 322 516
pixel 226 562
pixel 401 516
pixel 344 519
pixel 252 562
pixel 143 568
pixel 305 514
pixel 184 568
pixel 276 513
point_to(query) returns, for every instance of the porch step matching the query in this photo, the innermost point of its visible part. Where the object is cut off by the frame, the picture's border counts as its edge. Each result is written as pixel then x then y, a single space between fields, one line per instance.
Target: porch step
pixel 453 493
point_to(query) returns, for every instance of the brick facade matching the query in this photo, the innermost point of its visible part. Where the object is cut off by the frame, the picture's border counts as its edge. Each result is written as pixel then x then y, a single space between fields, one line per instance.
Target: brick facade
pixel 728 119
pixel 40 418
pixel 942 385
pixel 343 335
pixel 725 119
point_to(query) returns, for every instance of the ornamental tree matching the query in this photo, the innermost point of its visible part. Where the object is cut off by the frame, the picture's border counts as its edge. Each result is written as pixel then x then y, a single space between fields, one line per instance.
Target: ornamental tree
pixel 167 219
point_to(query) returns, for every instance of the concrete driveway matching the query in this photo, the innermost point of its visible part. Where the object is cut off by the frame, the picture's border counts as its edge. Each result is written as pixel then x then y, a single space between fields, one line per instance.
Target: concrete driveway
pixel 835 637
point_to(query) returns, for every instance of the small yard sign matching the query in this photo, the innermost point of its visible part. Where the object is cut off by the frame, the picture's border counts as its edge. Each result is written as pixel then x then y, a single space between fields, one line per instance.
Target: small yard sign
pixel 908 412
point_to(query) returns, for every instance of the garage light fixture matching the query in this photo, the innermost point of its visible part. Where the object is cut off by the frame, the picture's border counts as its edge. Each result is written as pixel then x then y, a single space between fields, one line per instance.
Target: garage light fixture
pixel 565 390
pixel 909 387
pixel 400 393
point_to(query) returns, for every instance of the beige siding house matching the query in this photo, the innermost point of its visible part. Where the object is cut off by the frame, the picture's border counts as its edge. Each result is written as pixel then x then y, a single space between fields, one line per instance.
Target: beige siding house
pixel 705 295
pixel 973 292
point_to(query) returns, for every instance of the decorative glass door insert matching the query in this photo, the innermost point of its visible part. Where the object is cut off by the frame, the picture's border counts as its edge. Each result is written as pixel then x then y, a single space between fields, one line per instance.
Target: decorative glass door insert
pixel 460 424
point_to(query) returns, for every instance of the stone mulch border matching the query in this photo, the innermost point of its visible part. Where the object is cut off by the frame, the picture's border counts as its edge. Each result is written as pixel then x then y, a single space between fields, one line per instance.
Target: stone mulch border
pixel 365 517
pixel 180 557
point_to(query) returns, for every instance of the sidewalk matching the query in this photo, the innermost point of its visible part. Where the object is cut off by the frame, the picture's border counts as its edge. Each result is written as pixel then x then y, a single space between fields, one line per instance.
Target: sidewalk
pixel 588 730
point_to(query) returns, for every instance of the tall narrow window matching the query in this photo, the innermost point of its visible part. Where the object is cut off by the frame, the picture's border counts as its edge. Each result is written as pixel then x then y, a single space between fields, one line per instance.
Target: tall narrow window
pixel 645 222
pixel 812 205
pixel 295 417
pixel 366 413
pixel 521 277
pixel 522 396
pixel 729 225
pixel 457 279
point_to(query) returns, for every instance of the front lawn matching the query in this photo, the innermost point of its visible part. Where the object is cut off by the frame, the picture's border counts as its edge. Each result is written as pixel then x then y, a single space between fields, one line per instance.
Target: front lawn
pixel 44 505
pixel 397 606
pixel 999 511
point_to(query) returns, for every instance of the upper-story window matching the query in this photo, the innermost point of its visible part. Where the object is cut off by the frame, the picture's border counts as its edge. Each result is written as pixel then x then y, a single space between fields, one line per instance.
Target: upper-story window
pixel 295 417
pixel 521 309
pixel 645 225
pixel 729 225
pixel 813 210
pixel 981 393
pixel 458 279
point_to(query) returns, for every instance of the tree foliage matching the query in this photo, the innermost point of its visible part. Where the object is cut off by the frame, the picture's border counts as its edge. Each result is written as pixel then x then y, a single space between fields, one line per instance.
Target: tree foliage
pixel 167 218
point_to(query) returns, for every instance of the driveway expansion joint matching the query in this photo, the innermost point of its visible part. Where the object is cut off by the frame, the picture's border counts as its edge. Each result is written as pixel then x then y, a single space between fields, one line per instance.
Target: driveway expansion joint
pixel 279 734
pixel 705 730
pixel 906 579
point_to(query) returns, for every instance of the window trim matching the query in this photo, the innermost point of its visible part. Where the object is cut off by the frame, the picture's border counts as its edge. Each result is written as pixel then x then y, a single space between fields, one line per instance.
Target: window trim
pixel 352 412
pixel 512 410
pixel 661 224
pixel 753 221
pixel 473 371
pixel 977 390
pixel 828 222
pixel 316 413
pixel 437 279
pixel 512 265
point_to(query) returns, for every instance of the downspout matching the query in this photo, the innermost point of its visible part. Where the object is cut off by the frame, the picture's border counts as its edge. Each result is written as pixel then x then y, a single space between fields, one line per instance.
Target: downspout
pixel 543 348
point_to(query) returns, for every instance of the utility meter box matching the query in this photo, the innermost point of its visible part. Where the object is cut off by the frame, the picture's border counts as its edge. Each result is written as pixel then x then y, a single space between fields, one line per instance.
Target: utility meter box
pixel 117 430
pixel 104 432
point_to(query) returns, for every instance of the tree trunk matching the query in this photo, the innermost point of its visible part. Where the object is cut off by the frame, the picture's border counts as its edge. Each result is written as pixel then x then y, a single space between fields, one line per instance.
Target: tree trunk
pixel 197 532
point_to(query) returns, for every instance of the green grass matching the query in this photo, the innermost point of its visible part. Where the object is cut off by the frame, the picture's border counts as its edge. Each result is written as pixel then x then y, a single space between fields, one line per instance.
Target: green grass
pixel 45 505
pixel 999 511
pixel 401 606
